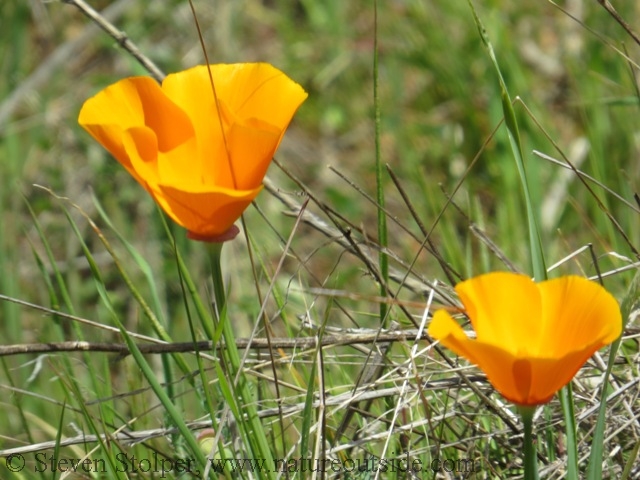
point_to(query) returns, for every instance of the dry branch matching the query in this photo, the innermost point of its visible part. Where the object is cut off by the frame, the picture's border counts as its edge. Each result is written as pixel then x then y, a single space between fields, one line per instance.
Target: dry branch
pixel 258 343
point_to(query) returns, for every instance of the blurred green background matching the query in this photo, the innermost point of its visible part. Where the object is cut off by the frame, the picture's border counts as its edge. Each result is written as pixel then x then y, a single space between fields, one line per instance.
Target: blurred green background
pixel 439 102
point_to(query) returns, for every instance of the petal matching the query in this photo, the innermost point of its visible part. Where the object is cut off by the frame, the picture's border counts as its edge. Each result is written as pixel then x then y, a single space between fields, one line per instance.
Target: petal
pixel 191 90
pixel 133 102
pixel 155 168
pixel 577 313
pixel 260 91
pixel 141 146
pixel 129 104
pixel 551 374
pixel 523 380
pixel 206 212
pixel 445 329
pixel 504 308
pixel 496 362
pixel 252 147
pixel 180 165
pixel 255 105
pixel 538 379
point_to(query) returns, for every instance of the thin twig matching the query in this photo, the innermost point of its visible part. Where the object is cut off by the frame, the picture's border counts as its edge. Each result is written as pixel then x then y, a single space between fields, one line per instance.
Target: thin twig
pixel 586 176
pixel 257 343
pixel 612 11
pixel 119 36
pixel 452 275
pixel 416 284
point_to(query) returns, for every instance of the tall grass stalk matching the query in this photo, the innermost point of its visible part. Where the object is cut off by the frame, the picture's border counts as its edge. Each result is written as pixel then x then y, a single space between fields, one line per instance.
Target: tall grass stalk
pixel 382 217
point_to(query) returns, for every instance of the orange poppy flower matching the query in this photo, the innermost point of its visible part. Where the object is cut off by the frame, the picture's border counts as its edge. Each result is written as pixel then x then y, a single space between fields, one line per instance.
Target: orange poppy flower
pixel 202 161
pixel 531 338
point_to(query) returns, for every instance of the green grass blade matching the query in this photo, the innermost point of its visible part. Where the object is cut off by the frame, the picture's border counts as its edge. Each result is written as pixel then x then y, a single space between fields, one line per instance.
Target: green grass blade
pixel 626 473
pixel 146 270
pixel 144 366
pixel 66 299
pixel 16 400
pixel 569 415
pixel 56 450
pixel 149 313
pixel 630 303
pixel 72 391
pixel 203 312
pixel 307 412
pixel 382 218
pixel 535 242
pixel 142 263
pixel 64 292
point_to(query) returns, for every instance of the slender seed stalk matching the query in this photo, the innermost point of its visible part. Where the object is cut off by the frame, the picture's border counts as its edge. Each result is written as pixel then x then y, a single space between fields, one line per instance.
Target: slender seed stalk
pixel 382 219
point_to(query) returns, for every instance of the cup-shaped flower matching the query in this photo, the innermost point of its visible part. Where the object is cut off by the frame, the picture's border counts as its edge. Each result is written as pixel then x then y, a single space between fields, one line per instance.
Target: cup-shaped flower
pixel 531 338
pixel 201 152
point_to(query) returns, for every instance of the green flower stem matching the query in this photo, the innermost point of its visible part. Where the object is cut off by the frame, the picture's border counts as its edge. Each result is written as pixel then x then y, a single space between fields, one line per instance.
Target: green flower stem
pixel 530 458
pixel 248 420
